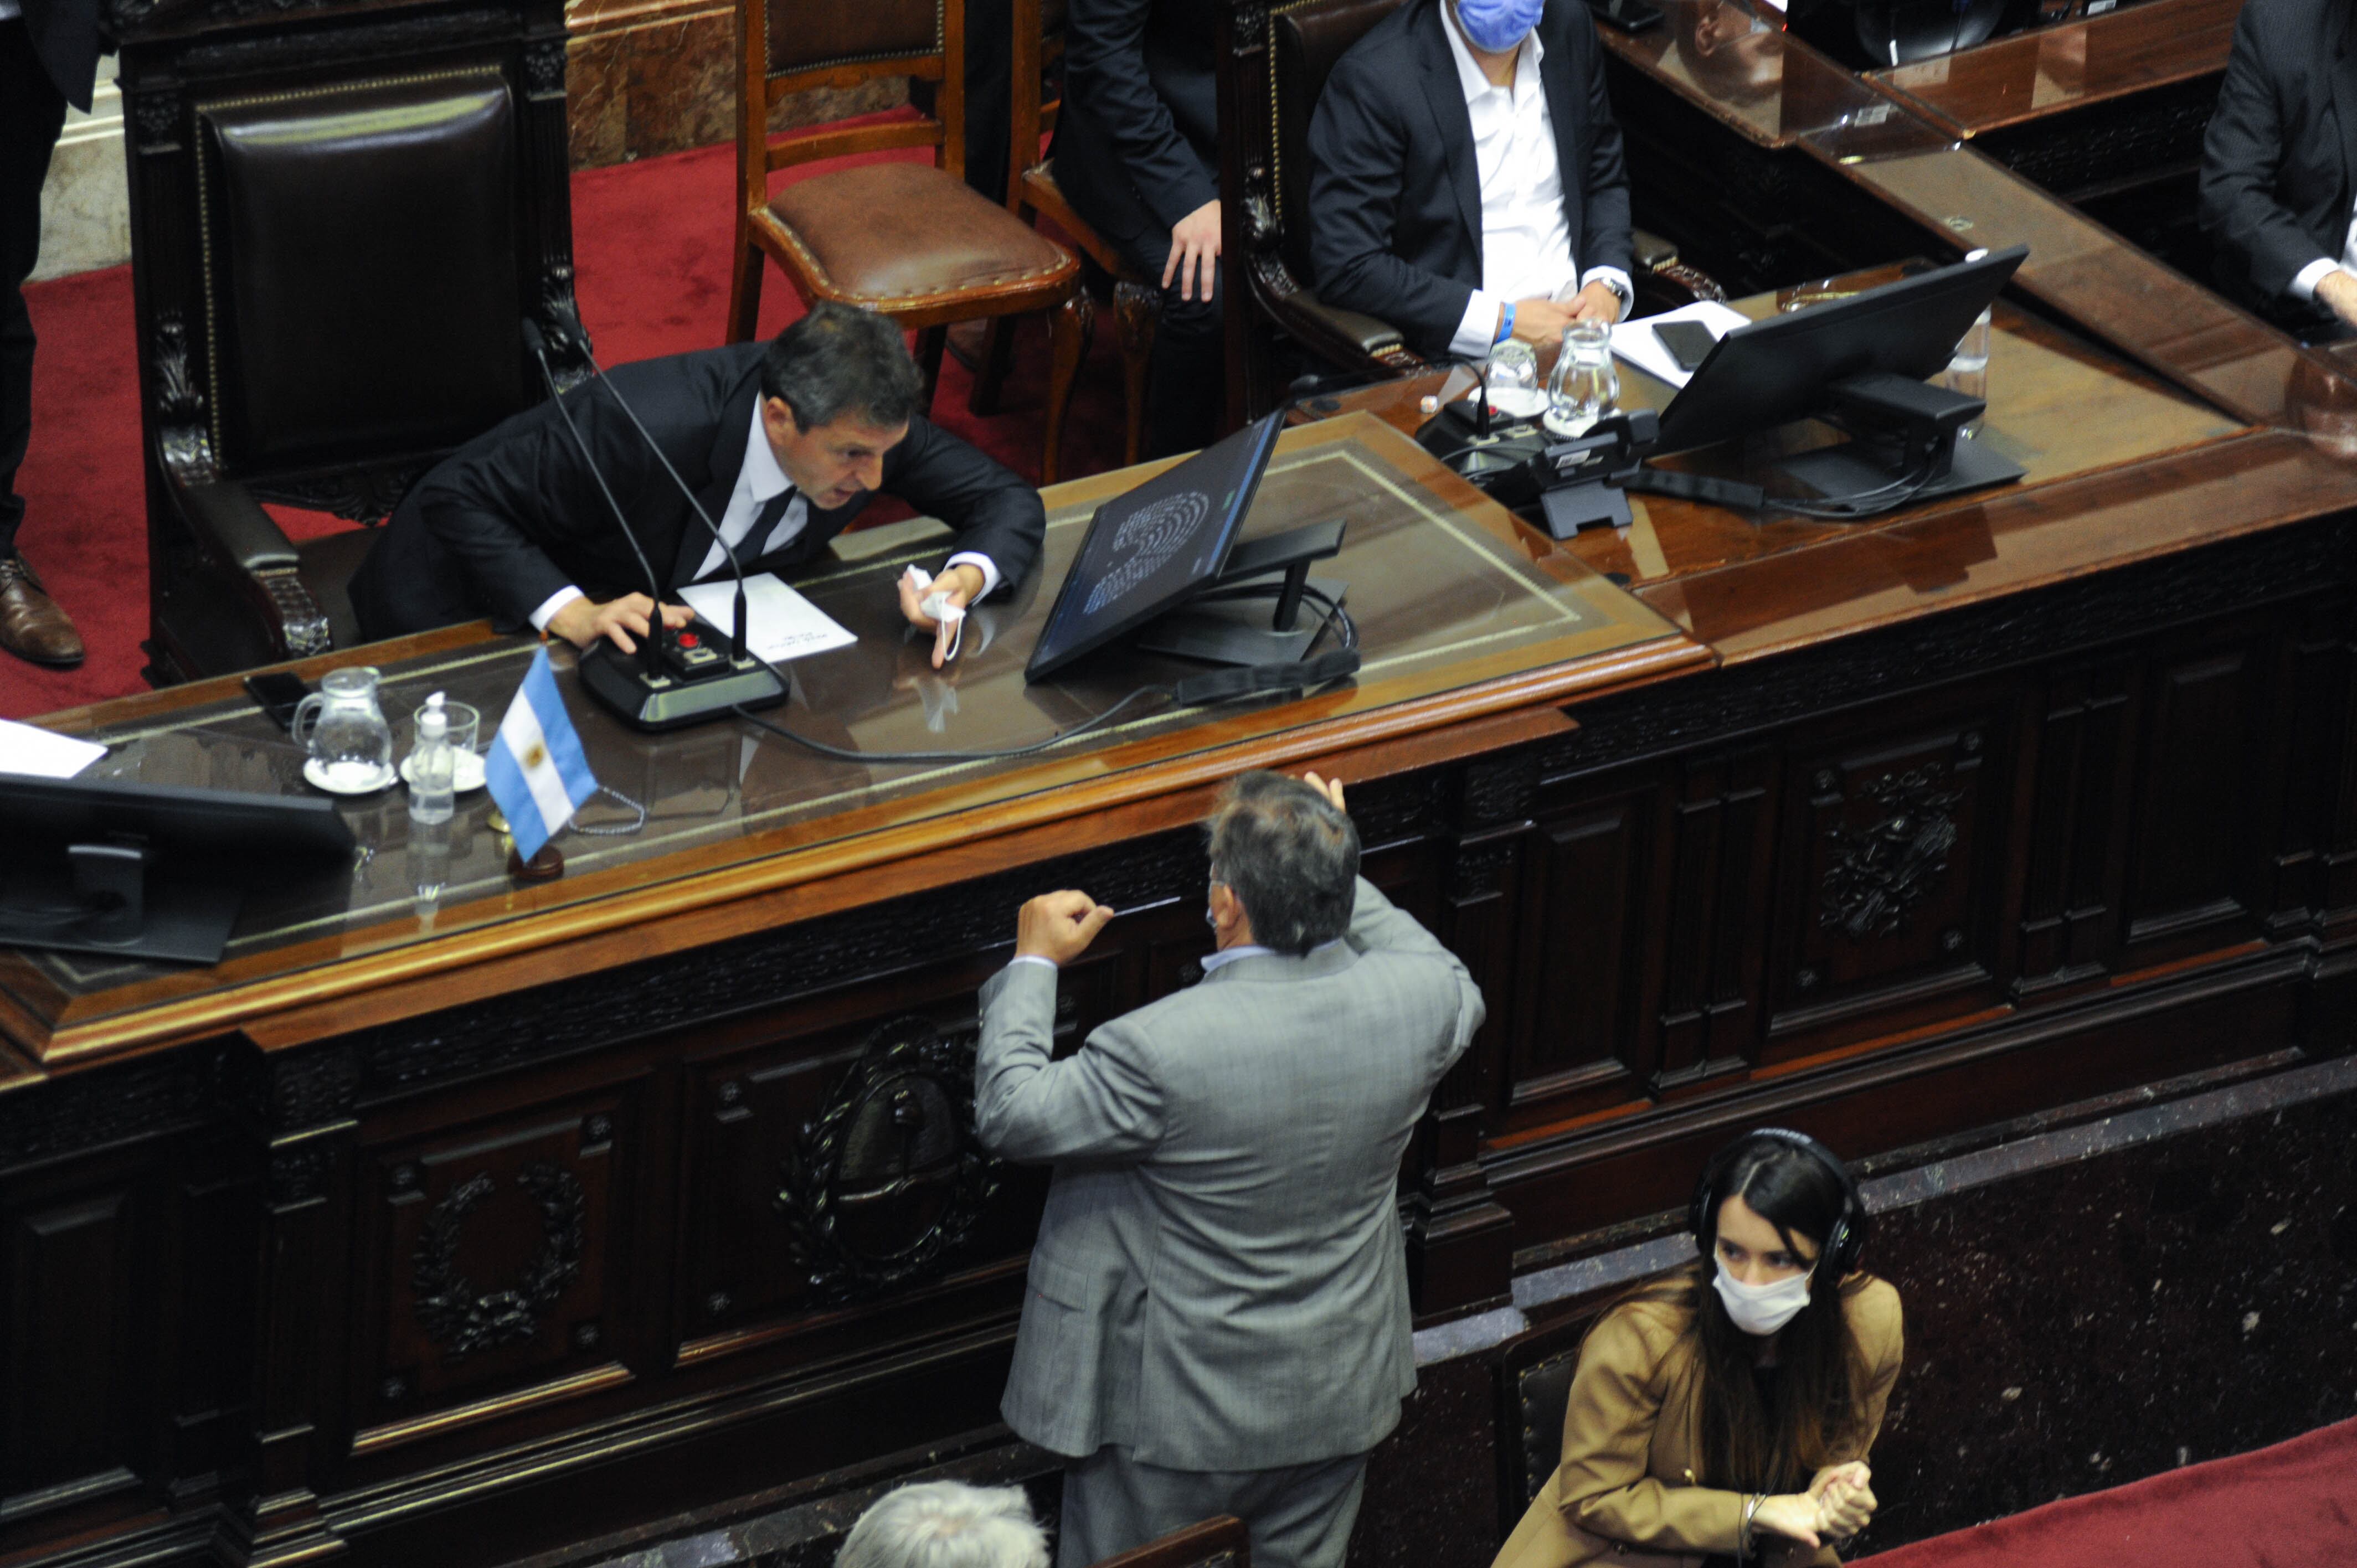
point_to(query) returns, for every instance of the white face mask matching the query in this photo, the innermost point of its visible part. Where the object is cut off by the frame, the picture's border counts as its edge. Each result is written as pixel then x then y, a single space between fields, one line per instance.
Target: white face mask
pixel 1762 1309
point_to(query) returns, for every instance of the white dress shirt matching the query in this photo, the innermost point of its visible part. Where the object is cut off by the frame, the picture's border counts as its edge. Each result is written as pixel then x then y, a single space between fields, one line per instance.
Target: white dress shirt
pixel 1525 235
pixel 2304 283
pixel 759 480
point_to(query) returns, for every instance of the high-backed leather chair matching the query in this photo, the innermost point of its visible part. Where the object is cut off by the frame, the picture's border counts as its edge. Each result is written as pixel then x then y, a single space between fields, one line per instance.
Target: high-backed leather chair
pixel 1221 1543
pixel 1032 193
pixel 338 228
pixel 1535 1374
pixel 909 241
pixel 1274 60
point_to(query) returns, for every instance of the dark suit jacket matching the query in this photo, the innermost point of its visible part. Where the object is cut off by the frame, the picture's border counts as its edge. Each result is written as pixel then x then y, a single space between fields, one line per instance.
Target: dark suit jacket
pixel 1137 139
pixel 2277 162
pixel 65 35
pixel 1395 193
pixel 513 516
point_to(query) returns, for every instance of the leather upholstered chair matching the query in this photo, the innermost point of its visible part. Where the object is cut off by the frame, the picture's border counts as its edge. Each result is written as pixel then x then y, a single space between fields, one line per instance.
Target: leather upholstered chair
pixel 1220 1542
pixel 909 241
pixel 337 231
pixel 1268 91
pixel 1032 193
pixel 1535 1374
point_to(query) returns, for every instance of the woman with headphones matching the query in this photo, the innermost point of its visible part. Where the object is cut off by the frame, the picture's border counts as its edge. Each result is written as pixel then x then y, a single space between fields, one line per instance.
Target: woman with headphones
pixel 1723 1416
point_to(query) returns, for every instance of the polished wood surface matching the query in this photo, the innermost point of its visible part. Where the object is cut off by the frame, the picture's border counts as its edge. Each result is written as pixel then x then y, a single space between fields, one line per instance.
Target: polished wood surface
pixel 2055 70
pixel 1458 623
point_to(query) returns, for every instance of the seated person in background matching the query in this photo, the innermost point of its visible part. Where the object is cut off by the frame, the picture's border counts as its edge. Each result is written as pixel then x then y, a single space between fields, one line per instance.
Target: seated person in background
pixel 1725 1415
pixel 2276 178
pixel 946 1524
pixel 1447 103
pixel 783 443
pixel 1137 154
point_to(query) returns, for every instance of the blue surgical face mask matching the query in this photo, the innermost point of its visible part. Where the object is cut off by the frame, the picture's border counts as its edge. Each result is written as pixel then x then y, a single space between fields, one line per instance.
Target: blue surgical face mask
pixel 1497 25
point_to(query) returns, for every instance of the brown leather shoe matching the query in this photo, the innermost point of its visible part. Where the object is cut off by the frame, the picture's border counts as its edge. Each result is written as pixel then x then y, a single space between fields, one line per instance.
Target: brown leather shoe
pixel 31 625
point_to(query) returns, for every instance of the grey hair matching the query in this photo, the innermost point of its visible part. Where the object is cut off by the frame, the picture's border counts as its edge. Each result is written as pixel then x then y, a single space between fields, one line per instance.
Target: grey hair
pixel 838 360
pixel 1289 857
pixel 947 1524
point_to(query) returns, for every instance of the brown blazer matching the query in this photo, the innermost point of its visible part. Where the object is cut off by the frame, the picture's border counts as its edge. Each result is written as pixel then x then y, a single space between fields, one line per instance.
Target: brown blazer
pixel 1625 1491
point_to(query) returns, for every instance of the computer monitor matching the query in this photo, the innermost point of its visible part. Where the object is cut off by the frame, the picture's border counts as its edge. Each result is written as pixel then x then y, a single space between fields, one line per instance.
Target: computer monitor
pixel 1774 371
pixel 1150 549
pixel 148 870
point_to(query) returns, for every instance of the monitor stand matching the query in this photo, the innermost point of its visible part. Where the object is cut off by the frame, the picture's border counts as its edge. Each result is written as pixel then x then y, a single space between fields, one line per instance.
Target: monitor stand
pixel 1900 426
pixel 1226 625
pixel 113 900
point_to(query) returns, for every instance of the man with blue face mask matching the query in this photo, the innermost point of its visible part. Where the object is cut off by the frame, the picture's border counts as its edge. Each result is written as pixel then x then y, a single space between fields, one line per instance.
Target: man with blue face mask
pixel 1468 184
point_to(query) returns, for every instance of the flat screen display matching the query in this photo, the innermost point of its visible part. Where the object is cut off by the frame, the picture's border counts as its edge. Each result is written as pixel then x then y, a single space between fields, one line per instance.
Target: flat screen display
pixel 1151 549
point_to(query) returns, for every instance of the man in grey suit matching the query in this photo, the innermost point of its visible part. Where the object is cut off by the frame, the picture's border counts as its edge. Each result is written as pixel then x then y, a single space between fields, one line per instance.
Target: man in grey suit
pixel 1217 1318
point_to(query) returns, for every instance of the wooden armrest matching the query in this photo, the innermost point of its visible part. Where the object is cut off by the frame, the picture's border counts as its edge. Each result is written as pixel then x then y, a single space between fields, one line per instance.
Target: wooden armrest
pixel 1649 251
pixel 231 527
pixel 1339 336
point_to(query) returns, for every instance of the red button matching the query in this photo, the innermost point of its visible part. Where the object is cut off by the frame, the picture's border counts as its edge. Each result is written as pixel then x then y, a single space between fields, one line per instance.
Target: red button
pixel 687 639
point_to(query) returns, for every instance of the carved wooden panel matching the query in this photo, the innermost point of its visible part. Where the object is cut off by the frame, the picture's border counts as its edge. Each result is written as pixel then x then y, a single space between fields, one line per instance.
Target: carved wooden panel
pixel 2312 863
pixel 2203 806
pixel 1886 905
pixel 1582 961
pixel 1718 860
pixel 2077 830
pixel 72 1365
pixel 495 1254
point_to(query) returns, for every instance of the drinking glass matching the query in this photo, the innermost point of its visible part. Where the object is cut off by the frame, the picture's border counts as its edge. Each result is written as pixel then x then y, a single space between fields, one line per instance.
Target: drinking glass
pixel 1514 381
pixel 465 722
pixel 1585 387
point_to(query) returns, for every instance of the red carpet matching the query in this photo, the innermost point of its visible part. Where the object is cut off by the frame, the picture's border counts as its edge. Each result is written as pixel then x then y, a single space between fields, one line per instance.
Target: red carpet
pixel 650 246
pixel 2291 1506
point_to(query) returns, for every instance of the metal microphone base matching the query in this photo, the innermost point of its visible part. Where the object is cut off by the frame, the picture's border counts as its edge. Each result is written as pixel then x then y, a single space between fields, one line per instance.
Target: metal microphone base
pixel 620 684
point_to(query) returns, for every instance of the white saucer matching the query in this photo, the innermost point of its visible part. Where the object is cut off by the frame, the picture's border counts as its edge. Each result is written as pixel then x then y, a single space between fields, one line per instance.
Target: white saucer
pixel 317 776
pixel 466 768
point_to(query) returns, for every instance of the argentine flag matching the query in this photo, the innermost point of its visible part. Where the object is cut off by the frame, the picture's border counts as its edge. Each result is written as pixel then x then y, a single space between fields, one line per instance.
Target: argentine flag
pixel 535 770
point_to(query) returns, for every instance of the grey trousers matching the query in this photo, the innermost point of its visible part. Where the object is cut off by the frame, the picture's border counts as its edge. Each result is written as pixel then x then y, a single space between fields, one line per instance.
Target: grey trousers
pixel 1300 1516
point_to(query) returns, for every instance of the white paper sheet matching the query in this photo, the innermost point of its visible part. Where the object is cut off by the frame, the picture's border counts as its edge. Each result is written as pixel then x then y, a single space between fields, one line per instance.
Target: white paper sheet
pixel 784 623
pixel 1634 340
pixel 25 750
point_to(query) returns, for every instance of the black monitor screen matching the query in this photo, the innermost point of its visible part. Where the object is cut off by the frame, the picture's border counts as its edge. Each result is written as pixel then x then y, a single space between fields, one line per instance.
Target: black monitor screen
pixel 1774 371
pixel 1150 549
pixel 39 817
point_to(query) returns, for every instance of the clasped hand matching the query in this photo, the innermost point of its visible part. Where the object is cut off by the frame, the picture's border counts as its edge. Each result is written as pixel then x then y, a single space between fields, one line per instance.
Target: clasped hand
pixel 1839 1504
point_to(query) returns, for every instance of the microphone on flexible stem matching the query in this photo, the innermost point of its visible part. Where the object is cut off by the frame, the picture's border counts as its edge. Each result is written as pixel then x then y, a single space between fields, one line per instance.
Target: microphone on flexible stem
pixel 679 682
pixel 533 340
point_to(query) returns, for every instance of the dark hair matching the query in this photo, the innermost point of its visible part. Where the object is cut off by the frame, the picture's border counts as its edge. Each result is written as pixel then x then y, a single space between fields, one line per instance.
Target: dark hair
pixel 837 360
pixel 1811 1413
pixel 1289 857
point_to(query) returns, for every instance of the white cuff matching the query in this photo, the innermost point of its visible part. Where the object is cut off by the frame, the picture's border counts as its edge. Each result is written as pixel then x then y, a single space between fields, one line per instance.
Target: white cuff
pixel 1620 282
pixel 2304 282
pixel 1030 957
pixel 981 563
pixel 554 603
pixel 1479 331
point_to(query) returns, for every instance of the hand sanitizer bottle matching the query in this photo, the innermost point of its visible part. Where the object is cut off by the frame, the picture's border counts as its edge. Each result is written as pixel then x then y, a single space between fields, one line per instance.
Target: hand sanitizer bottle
pixel 432 766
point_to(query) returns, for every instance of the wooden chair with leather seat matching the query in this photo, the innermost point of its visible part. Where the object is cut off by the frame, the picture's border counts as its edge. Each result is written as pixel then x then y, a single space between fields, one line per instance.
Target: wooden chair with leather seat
pixel 336 237
pixel 1273 62
pixel 1534 1373
pixel 909 241
pixel 1220 1542
pixel 1032 193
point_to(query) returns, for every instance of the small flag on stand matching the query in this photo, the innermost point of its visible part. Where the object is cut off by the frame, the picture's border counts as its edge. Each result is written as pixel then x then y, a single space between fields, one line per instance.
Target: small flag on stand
pixel 536 770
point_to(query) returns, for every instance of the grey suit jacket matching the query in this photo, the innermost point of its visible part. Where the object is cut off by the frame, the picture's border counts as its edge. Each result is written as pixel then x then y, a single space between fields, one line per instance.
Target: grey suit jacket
pixel 1220 1282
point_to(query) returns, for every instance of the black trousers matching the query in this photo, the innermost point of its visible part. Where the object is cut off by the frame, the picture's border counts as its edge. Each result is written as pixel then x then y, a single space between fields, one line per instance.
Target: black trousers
pixel 32 113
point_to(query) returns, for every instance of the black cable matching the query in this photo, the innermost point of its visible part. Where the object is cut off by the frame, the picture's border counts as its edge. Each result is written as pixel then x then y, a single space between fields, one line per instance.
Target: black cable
pixel 1336 615
pixel 1863 503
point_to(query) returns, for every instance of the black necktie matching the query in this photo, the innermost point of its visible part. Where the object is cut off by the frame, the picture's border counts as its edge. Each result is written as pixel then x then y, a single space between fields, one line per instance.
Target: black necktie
pixel 773 512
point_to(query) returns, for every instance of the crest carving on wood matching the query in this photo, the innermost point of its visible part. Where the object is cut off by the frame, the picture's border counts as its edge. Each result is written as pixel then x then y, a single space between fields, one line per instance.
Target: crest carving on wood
pixel 463 1319
pixel 1881 870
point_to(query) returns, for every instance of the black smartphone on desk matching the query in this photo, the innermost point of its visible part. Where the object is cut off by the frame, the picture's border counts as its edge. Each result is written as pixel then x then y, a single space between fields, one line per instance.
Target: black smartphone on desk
pixel 1689 342
pixel 1629 16
pixel 279 694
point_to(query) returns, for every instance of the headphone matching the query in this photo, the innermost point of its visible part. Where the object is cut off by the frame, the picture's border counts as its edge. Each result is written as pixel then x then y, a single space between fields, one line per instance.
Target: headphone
pixel 1848 1236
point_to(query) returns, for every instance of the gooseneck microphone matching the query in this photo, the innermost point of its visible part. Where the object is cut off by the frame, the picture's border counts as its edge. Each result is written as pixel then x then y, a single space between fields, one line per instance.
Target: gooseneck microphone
pixel 679 680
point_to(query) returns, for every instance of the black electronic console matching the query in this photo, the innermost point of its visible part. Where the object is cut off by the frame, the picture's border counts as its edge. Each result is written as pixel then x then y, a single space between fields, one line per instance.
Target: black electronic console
pixel 149 871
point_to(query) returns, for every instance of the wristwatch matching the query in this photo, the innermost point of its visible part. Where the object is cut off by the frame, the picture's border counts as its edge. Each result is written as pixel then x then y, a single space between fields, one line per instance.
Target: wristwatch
pixel 1619 292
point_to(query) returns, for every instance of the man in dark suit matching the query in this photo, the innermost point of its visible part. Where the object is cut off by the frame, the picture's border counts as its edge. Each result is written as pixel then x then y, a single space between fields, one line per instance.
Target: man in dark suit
pixel 783 443
pixel 48 57
pixel 1466 182
pixel 2279 164
pixel 1138 155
